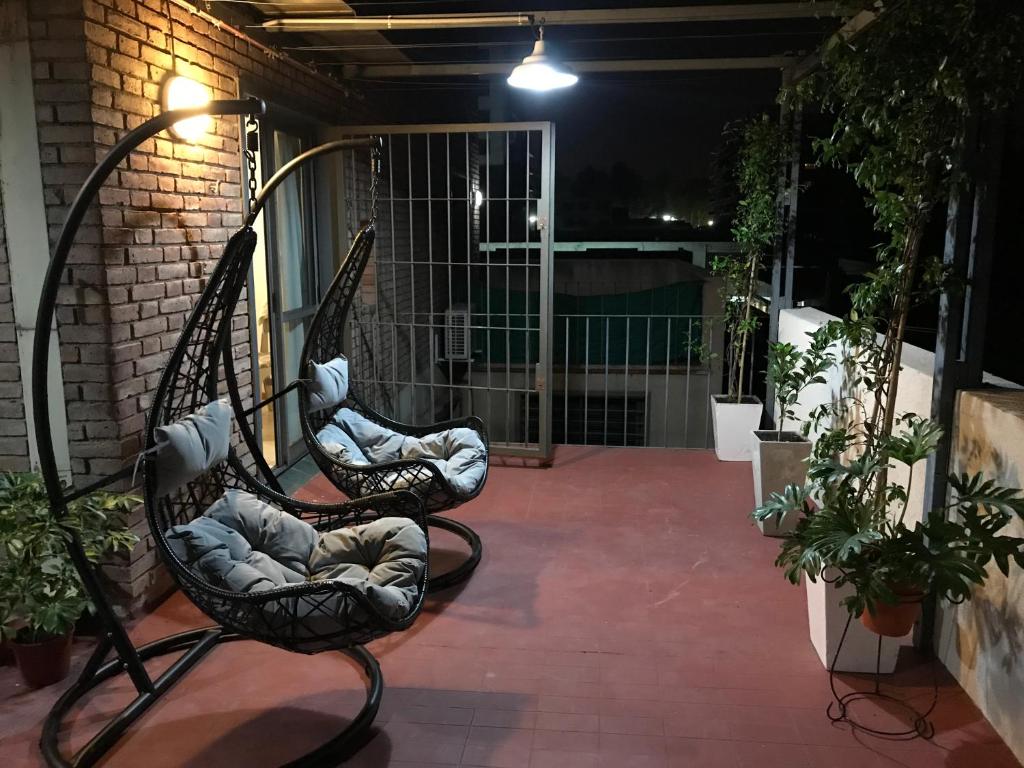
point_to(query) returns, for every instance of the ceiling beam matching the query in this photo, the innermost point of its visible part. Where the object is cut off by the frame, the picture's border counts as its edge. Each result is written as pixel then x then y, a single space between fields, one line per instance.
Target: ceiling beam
pixel 844 34
pixel 486 68
pixel 667 15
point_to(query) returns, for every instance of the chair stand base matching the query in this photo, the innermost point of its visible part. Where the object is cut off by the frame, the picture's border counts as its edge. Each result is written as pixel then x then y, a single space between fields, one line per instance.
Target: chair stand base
pixel 920 725
pixel 465 570
pixel 195 644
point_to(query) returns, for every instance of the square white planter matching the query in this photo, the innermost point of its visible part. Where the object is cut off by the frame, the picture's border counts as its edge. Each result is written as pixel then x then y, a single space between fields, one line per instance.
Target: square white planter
pixel 777 463
pixel 826 617
pixel 733 422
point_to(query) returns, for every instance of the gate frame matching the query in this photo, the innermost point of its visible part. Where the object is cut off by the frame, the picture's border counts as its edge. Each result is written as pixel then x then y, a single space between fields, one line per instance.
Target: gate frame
pixel 545 223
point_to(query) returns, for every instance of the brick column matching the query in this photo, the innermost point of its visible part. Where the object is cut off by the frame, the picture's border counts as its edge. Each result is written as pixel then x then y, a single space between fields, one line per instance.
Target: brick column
pixel 159 223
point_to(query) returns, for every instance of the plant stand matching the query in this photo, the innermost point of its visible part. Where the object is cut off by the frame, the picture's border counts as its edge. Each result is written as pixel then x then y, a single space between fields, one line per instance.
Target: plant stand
pixel 921 726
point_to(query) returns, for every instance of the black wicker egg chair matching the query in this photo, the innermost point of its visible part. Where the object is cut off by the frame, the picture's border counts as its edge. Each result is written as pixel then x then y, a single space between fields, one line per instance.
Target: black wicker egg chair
pixel 325 341
pixel 307 616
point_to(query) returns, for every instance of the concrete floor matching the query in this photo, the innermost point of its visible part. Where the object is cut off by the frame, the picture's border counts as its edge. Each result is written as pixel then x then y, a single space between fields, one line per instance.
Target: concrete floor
pixel 626 613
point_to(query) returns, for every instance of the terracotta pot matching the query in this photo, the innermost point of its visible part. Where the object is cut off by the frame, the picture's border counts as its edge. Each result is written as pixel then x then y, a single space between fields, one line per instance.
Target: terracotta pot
pixel 895 620
pixel 6 654
pixel 44 663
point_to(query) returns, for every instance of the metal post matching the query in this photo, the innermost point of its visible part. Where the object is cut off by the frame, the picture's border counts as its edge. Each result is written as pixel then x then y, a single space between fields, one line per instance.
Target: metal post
pixel 960 343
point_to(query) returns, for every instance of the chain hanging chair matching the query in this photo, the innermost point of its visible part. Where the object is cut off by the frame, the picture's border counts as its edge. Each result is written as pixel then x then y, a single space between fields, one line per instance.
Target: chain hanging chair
pixel 445 463
pixel 301 615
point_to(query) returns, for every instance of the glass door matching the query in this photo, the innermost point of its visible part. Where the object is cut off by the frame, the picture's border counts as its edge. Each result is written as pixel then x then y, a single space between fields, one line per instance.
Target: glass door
pixel 290 291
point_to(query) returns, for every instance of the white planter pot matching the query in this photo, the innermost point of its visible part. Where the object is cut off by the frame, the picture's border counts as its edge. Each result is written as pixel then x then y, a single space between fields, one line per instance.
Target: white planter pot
pixel 776 464
pixel 826 617
pixel 733 422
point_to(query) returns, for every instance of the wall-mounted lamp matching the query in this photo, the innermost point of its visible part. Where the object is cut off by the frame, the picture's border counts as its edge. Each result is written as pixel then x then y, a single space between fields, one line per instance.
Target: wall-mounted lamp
pixel 178 92
pixel 541 72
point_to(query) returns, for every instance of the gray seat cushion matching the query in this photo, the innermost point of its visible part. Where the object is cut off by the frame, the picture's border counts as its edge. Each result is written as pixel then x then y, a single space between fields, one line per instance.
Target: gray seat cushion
pixel 243 544
pixel 459 453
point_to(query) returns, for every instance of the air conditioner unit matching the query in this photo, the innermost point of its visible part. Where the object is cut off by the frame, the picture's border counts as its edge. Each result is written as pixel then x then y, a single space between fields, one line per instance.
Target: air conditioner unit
pixel 456 333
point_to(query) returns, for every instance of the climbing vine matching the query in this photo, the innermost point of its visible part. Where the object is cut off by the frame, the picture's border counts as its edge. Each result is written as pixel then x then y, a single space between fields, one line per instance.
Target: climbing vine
pixel 902 95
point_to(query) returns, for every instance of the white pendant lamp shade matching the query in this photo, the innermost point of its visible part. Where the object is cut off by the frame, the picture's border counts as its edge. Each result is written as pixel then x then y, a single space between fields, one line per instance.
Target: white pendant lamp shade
pixel 540 72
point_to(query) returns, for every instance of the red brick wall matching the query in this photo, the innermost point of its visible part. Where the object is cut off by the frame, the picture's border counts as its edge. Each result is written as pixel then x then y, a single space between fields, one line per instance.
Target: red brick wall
pixel 161 220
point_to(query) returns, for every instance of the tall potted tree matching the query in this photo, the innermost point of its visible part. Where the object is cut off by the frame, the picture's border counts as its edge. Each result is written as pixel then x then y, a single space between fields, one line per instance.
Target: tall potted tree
pixel 737 413
pixel 780 455
pixel 41 594
pixel 903 95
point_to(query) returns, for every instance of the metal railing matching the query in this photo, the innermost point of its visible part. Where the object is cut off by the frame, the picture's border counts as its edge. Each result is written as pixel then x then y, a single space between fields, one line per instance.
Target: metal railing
pixel 641 380
pixel 616 379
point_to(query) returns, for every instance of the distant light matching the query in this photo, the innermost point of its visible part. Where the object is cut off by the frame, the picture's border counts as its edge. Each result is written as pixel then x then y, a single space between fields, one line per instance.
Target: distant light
pixel 478 198
pixel 667 217
pixel 533 219
pixel 182 93
pixel 711 222
pixel 540 72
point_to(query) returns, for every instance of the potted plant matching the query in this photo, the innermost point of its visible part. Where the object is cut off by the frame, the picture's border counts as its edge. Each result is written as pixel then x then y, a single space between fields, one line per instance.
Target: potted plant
pixel 892 563
pixel 762 149
pixel 41 594
pixel 903 95
pixel 780 456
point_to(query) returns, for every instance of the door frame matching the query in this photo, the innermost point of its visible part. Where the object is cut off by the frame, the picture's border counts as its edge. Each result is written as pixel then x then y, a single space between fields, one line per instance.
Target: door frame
pixel 543 368
pixel 306 130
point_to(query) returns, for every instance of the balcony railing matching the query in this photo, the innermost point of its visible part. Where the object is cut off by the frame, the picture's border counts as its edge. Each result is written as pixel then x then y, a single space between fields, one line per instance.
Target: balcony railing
pixel 616 379
pixel 635 380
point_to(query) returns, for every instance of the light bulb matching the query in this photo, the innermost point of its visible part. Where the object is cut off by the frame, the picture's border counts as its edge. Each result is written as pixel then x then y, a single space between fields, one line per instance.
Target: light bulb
pixel 540 72
pixel 182 93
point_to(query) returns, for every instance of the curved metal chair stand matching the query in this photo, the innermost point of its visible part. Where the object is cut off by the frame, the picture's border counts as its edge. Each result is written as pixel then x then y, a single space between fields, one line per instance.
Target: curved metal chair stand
pixel 325 341
pixel 308 617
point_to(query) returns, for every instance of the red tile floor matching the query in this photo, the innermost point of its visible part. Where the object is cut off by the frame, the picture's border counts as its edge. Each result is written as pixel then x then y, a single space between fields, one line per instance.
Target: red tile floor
pixel 626 613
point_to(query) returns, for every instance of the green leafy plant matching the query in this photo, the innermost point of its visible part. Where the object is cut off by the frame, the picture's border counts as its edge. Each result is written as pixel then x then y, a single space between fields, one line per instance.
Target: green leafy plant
pixel 41 594
pixel 762 150
pixel 791 371
pixel 875 550
pixel 904 95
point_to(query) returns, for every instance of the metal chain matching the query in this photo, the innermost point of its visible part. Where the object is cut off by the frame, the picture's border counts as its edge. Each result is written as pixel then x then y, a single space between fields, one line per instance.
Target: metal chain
pixel 376 157
pixel 252 145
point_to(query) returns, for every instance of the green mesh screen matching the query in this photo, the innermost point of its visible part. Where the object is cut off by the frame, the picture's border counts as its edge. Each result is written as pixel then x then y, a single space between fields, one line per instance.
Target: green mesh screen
pixel 660 326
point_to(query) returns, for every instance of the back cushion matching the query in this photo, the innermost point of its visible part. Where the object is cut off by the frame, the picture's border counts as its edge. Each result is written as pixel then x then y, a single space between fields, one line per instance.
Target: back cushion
pixel 328 385
pixel 189 447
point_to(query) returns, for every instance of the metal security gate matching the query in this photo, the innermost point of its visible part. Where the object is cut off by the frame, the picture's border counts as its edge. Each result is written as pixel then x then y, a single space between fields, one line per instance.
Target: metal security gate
pixel 454 315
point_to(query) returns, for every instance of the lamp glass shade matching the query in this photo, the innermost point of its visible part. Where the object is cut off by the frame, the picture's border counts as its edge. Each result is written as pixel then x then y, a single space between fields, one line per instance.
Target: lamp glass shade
pixel 181 93
pixel 540 72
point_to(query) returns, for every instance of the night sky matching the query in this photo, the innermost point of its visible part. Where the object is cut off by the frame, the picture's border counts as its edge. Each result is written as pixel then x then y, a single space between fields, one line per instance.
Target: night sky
pixel 654 123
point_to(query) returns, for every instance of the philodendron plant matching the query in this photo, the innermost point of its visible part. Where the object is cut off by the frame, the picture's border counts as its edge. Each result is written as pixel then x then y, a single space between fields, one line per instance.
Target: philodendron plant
pixel 871 545
pixel 41 594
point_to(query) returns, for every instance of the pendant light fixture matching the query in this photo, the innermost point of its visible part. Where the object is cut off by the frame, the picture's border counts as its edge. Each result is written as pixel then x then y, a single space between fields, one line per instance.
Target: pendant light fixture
pixel 541 72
